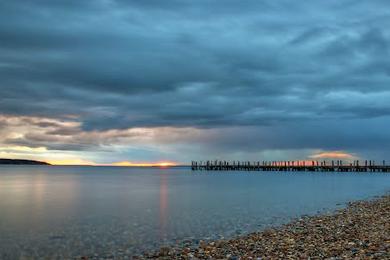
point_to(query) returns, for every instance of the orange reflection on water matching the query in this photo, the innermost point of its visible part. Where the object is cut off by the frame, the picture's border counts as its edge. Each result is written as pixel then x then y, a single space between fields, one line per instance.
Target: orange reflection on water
pixel 163 206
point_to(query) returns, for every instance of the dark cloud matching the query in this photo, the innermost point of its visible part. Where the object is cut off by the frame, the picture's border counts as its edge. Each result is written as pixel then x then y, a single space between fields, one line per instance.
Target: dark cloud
pixel 202 64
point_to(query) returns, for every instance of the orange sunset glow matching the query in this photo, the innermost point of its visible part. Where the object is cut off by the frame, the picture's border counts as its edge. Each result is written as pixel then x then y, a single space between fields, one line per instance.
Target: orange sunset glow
pixel 135 164
pixel 124 163
pixel 71 162
pixel 333 155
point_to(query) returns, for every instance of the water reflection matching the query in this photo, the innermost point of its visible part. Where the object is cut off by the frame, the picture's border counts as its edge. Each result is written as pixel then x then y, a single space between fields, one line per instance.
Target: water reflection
pixel 163 206
pixel 45 198
pixel 38 190
pixel 63 212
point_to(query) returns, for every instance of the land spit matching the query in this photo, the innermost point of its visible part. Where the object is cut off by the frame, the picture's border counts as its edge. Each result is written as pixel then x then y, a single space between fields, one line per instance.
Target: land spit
pixel 360 231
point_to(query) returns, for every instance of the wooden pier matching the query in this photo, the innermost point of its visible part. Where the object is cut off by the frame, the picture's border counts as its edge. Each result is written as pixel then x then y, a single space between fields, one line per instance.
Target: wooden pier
pixel 312 166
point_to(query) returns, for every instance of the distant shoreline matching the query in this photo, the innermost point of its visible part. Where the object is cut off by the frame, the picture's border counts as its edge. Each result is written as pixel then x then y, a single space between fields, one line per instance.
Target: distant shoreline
pixel 21 162
pixel 34 162
pixel 359 231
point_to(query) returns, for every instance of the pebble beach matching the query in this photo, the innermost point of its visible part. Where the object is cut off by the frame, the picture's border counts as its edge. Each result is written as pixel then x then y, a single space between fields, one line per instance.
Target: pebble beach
pixel 360 231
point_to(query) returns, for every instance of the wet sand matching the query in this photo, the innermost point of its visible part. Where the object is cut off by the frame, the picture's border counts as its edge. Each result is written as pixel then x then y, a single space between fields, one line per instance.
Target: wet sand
pixel 360 231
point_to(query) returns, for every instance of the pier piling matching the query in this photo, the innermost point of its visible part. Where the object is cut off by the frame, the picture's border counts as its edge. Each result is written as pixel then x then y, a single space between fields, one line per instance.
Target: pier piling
pixel 322 166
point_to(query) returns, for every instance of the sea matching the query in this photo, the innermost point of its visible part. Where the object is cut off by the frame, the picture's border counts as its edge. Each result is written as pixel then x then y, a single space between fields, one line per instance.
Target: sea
pixel 58 212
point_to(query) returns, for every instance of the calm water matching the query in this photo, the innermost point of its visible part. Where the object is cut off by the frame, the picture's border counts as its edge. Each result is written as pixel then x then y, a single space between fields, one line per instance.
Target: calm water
pixel 113 211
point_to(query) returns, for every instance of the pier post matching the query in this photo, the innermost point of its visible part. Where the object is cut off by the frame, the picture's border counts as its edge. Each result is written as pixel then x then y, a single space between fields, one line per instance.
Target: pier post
pixel 333 165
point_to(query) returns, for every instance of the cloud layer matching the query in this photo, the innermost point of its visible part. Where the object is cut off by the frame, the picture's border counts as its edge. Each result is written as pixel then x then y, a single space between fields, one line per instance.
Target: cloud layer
pixel 231 78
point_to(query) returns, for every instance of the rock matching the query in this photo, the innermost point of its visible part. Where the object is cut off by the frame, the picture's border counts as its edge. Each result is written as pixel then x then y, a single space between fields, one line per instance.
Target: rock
pixel 360 231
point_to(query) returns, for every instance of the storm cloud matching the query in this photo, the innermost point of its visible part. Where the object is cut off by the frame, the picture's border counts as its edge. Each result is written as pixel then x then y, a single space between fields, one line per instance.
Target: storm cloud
pixel 248 77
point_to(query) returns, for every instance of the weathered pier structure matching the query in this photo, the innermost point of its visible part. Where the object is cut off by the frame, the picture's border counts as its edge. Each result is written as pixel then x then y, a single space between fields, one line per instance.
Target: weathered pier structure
pixel 312 166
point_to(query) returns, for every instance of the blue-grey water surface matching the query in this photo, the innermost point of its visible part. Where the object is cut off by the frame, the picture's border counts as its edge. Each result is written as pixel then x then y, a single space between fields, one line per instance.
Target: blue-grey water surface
pixel 66 212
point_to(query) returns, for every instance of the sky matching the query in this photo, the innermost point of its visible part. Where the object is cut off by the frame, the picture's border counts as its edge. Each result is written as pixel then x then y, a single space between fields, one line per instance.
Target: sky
pixel 127 82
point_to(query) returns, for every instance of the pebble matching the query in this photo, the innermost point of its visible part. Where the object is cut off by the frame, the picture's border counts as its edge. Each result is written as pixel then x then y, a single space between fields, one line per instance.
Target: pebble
pixel 360 231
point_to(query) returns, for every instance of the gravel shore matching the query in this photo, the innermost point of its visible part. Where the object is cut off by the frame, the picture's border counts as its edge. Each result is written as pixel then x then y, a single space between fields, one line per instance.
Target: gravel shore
pixel 360 231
